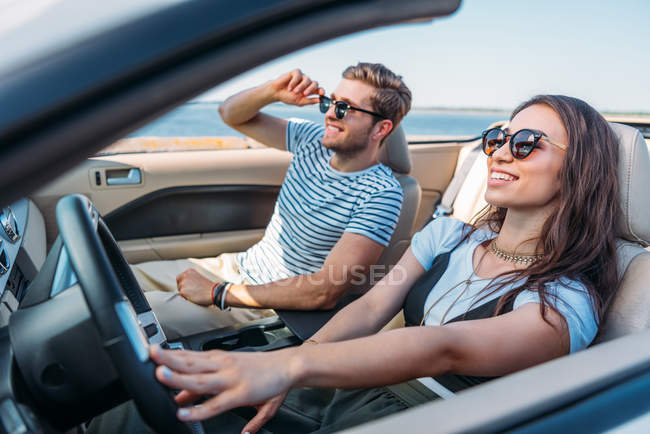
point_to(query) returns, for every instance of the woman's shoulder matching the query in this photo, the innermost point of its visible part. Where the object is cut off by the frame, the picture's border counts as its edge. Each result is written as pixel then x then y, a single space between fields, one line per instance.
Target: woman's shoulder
pixel 446 230
pixel 439 236
pixel 569 290
pixel 450 230
pixel 569 284
pixel 573 301
pixel 565 290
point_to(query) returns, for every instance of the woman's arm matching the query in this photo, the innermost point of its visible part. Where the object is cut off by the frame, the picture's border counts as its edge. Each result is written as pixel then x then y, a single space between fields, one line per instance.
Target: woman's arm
pixel 487 347
pixel 361 318
pixel 368 314
pixel 494 346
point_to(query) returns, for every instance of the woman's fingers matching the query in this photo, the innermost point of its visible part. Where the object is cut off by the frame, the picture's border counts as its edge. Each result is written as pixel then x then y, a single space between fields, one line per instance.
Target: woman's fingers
pixel 204 383
pixel 235 379
pixel 212 407
pixel 257 422
pixel 185 398
pixel 184 361
pixel 264 413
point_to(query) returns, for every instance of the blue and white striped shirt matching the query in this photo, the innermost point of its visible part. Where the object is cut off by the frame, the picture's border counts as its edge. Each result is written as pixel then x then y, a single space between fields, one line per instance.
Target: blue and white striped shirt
pixel 316 205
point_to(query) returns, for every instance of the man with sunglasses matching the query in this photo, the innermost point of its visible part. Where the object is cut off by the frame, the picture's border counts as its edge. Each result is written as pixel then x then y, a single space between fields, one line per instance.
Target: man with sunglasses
pixel 335 213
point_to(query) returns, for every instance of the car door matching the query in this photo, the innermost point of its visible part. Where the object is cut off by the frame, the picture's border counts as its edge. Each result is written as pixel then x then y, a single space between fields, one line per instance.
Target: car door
pixel 179 204
pixel 176 204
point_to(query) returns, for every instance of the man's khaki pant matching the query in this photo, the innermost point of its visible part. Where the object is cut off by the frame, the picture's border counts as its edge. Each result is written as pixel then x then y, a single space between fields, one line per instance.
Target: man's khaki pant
pixel 180 317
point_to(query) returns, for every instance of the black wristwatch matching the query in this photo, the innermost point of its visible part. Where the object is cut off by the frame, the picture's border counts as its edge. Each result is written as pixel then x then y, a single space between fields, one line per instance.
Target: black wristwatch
pixel 218 294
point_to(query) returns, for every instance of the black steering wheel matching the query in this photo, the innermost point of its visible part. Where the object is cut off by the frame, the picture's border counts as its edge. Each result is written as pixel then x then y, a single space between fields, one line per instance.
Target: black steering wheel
pixel 105 278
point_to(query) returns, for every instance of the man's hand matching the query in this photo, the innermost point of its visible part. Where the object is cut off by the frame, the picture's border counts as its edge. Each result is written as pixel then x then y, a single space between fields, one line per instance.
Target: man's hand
pixel 194 287
pixel 242 110
pixel 295 87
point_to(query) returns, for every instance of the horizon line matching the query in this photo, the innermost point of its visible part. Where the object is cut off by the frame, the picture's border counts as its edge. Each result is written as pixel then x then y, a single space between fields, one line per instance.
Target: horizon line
pixel 460 109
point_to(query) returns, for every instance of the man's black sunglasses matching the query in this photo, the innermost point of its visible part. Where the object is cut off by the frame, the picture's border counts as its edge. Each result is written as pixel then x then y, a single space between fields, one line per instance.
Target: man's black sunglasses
pixel 522 142
pixel 342 107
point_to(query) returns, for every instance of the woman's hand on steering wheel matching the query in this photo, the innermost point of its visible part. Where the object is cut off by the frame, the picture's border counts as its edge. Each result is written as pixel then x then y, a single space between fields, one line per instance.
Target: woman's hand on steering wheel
pixel 235 379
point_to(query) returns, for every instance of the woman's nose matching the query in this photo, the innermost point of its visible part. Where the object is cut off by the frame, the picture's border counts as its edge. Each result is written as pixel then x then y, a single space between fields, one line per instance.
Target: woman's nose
pixel 503 153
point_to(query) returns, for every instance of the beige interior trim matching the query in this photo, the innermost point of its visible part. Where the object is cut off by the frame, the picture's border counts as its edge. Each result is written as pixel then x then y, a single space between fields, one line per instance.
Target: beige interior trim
pixel 441 157
pixel 433 166
pixel 188 246
pixel 171 169
pixel 162 170
pixel 501 403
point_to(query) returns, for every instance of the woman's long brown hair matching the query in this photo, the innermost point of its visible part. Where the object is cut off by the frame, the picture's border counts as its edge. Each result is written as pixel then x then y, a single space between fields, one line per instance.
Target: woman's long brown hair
pixel 578 238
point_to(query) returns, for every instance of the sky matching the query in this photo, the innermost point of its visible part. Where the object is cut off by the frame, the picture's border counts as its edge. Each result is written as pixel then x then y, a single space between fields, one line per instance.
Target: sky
pixel 496 54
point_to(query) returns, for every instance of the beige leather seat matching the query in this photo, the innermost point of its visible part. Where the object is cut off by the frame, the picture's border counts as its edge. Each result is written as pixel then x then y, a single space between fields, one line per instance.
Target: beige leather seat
pixel 394 153
pixel 630 311
pixel 631 308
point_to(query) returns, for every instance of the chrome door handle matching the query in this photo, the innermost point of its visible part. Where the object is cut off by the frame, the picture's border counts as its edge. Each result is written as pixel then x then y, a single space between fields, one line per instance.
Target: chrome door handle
pixel 123 177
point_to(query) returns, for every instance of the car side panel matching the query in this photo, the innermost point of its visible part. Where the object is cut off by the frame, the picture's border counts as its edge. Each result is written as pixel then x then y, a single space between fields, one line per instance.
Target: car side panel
pixel 226 197
pixel 206 185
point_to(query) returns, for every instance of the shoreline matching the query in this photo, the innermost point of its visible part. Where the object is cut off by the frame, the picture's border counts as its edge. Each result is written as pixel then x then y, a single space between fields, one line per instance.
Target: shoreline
pixel 457 110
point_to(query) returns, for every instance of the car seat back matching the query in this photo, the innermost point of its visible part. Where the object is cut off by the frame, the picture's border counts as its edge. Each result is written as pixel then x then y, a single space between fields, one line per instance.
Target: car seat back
pixel 394 153
pixel 630 310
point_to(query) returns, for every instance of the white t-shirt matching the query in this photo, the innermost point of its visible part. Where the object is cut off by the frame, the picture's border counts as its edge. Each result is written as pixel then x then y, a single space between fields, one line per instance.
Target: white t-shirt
pixel 569 297
pixel 316 205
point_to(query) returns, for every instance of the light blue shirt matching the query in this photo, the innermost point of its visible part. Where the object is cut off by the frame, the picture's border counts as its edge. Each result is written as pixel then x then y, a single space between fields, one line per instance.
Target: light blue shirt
pixel 569 297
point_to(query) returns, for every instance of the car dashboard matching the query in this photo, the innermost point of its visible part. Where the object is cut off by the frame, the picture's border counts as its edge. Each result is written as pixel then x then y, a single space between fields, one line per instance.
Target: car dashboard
pixel 22 253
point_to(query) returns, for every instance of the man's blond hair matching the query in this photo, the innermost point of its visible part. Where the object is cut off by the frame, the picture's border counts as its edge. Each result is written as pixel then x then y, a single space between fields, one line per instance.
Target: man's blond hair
pixel 391 99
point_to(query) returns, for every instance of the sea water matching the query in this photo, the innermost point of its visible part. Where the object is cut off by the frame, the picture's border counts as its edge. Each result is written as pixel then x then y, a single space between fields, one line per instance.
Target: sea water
pixel 202 119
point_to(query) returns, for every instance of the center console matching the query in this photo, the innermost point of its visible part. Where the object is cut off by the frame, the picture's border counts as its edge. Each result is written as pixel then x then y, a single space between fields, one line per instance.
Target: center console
pixel 265 334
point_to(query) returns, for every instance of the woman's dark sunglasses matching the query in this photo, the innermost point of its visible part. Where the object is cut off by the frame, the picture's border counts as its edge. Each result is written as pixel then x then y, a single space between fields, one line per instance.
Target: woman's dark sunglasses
pixel 342 107
pixel 522 142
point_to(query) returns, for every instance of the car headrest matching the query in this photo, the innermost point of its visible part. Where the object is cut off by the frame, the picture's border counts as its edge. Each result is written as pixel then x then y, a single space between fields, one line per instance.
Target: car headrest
pixel 634 179
pixel 394 153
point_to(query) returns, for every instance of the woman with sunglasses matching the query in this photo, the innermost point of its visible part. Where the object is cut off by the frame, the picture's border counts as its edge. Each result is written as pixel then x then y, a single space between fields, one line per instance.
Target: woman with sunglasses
pixel 529 281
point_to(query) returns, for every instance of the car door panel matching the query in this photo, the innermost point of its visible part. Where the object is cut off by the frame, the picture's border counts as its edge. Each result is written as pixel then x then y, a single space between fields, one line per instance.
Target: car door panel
pixel 192 203
pixel 188 246
pixel 194 209
pixel 202 203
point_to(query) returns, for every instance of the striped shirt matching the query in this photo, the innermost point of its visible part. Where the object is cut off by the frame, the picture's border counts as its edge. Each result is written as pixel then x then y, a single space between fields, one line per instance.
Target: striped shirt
pixel 316 205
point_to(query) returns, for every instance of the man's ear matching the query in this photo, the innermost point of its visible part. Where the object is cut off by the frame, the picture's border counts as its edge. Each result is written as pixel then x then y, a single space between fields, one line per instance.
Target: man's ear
pixel 382 129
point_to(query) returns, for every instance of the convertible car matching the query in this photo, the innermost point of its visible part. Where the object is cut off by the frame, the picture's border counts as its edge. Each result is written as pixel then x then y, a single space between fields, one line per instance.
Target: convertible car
pixel 74 325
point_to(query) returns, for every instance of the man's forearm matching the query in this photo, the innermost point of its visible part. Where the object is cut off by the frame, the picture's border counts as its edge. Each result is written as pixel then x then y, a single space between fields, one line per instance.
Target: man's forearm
pixel 303 292
pixel 243 106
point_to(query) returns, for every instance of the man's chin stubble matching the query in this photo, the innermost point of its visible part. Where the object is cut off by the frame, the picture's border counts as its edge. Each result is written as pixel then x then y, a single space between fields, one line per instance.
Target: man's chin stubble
pixel 345 151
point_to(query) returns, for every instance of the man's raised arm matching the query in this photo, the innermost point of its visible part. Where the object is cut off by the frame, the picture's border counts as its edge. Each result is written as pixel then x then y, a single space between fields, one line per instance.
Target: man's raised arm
pixel 242 110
